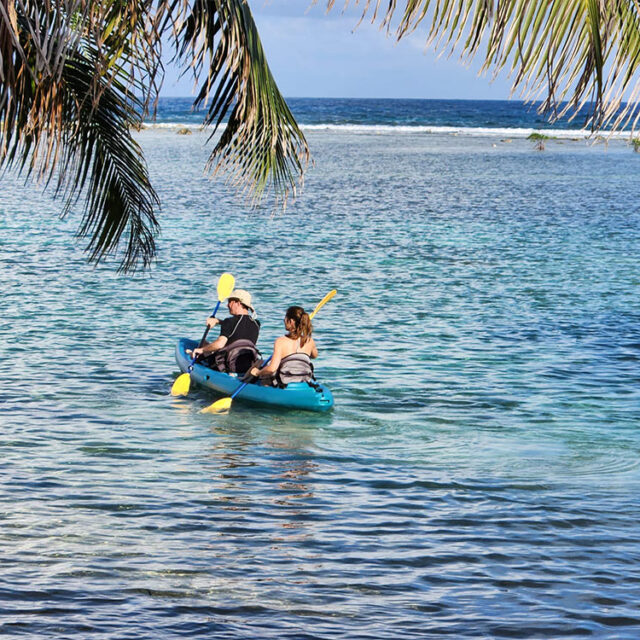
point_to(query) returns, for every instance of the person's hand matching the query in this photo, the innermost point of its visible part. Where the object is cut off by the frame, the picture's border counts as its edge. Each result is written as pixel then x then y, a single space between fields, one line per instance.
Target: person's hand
pixel 252 373
pixel 197 352
pixel 212 322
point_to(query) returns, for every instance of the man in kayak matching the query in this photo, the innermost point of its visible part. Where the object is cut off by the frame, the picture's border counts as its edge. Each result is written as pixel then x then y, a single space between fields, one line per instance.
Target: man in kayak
pixel 239 326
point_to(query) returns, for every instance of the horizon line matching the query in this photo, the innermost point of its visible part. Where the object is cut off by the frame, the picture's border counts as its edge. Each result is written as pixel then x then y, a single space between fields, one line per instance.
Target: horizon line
pixel 187 97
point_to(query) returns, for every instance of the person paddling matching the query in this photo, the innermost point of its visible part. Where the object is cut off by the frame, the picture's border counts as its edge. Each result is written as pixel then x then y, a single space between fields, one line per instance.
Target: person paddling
pixel 292 353
pixel 239 326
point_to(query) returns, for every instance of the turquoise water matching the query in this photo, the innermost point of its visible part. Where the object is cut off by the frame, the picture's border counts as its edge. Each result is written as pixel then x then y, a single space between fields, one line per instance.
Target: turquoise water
pixel 479 475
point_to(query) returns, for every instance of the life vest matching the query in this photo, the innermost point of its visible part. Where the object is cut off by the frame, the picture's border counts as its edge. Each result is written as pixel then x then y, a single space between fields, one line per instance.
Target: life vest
pixel 238 357
pixel 296 367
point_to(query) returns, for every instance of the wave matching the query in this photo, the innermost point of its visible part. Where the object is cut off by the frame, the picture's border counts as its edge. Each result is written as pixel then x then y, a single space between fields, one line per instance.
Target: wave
pixel 499 132
pixel 196 126
pixel 386 129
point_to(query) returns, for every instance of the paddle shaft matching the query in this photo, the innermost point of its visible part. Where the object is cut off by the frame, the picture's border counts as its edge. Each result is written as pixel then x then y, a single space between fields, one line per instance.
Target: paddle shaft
pixel 204 337
pixel 244 384
pixel 206 331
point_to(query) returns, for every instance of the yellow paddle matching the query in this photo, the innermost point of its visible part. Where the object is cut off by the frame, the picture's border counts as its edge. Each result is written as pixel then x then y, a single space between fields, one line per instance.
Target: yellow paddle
pixel 180 387
pixel 224 404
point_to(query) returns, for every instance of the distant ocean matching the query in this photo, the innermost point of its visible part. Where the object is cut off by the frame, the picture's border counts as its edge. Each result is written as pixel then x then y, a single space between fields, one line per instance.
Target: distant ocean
pixel 466 117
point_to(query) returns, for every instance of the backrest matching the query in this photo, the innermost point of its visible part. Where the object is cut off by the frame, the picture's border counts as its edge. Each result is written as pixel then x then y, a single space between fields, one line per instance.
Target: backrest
pixel 237 357
pixel 296 367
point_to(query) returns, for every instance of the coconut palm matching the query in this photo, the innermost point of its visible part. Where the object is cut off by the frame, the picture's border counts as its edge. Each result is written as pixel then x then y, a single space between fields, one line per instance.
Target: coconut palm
pixel 76 77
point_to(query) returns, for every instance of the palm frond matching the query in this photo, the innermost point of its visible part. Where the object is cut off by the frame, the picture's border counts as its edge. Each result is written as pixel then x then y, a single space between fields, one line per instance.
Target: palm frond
pixel 571 54
pixel 75 75
pixel 103 162
pixel 70 87
pixel 261 146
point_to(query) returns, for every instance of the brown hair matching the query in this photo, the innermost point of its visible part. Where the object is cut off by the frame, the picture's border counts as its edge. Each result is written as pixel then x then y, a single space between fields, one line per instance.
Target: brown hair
pixel 303 327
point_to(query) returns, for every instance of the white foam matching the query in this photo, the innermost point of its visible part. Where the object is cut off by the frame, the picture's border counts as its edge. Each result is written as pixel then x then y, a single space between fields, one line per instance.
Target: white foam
pixel 172 125
pixel 497 132
pixel 383 129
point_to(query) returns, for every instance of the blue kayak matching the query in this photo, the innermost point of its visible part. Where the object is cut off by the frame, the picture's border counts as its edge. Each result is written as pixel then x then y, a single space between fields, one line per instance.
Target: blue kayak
pixel 297 395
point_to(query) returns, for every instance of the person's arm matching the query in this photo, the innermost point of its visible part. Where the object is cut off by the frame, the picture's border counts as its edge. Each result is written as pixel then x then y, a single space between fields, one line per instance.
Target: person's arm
pixel 211 322
pixel 273 365
pixel 218 343
pixel 314 349
pixel 221 341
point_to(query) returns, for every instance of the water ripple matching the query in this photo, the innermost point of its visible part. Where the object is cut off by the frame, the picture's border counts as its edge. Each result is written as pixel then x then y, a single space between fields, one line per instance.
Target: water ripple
pixel 478 478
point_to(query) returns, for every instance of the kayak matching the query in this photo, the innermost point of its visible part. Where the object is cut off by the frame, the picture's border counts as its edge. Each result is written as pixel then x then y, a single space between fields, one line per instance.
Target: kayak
pixel 296 395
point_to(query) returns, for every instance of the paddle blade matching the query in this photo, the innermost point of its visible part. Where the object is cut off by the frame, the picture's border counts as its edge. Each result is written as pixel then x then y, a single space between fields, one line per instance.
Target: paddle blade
pixel 323 302
pixel 181 385
pixel 226 282
pixel 219 406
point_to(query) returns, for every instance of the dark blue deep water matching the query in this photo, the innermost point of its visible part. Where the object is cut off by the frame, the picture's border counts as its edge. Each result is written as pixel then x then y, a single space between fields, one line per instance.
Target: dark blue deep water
pixel 495 115
pixel 480 474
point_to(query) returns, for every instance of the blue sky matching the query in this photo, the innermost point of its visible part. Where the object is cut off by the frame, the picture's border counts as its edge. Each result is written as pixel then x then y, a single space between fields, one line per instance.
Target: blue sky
pixel 314 54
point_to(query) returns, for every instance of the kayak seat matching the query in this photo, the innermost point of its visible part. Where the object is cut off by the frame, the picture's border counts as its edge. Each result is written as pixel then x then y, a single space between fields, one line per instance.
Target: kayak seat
pixel 238 357
pixel 296 367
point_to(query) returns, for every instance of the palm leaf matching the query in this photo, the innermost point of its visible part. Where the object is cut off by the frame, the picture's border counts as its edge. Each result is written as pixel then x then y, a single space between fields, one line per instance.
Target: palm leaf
pixel 568 53
pixel 261 146
pixel 103 162
pixel 68 86
pixel 75 75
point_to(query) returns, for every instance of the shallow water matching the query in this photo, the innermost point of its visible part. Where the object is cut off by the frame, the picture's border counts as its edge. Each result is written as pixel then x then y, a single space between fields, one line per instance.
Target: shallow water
pixel 478 477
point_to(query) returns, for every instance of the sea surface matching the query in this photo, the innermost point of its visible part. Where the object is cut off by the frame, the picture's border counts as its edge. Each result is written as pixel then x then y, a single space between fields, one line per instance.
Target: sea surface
pixel 479 476
pixel 466 117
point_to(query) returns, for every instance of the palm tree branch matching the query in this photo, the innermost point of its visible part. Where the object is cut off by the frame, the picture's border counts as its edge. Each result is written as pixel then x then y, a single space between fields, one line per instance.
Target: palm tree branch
pixel 261 146
pixel 71 87
pixel 104 162
pixel 585 53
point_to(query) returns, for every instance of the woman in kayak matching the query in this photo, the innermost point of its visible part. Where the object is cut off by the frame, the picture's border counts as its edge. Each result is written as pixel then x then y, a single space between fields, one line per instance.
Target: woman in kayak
pixel 292 352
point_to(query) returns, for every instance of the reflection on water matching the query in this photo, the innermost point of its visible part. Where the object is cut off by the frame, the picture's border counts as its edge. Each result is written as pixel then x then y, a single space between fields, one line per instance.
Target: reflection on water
pixel 478 476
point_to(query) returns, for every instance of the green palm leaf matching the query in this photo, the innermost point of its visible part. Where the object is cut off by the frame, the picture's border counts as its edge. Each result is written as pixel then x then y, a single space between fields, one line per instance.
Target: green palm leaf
pixel 102 161
pixel 66 109
pixel 261 145
pixel 577 52
pixel 76 75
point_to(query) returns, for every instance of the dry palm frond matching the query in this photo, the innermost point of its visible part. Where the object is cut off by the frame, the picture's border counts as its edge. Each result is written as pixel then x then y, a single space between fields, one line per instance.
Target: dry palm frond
pixel 572 53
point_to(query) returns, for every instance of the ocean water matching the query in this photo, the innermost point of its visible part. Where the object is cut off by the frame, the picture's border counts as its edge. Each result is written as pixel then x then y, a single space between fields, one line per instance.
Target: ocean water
pixel 466 117
pixel 479 476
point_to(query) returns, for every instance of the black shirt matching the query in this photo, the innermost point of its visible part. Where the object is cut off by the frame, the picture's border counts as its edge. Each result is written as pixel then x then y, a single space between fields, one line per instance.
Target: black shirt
pixel 240 328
